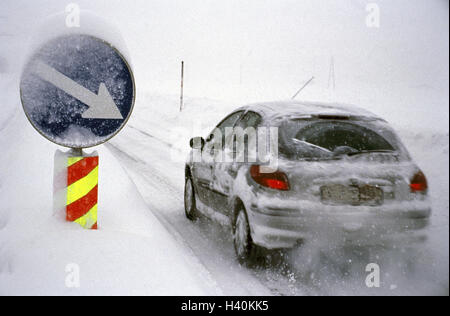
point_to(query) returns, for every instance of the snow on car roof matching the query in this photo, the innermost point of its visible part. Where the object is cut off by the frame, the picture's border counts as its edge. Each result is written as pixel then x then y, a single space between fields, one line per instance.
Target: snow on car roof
pixel 301 108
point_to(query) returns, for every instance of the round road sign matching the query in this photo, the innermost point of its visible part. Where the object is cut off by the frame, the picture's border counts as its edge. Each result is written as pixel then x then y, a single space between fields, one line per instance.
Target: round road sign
pixel 78 91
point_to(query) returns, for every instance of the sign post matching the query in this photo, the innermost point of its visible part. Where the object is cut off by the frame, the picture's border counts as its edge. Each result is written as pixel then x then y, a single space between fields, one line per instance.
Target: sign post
pixel 78 91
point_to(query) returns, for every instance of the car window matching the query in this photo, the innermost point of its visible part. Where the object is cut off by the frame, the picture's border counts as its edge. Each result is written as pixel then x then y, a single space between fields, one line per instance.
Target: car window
pixel 331 135
pixel 243 138
pixel 324 139
pixel 251 119
pixel 229 121
pixel 219 131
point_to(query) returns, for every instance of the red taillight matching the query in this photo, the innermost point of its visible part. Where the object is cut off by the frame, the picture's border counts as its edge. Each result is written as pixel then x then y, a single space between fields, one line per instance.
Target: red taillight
pixel 419 183
pixel 275 180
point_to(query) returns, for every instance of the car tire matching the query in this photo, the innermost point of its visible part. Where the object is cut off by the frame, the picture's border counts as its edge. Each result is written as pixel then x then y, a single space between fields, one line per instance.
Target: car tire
pixel 190 207
pixel 246 250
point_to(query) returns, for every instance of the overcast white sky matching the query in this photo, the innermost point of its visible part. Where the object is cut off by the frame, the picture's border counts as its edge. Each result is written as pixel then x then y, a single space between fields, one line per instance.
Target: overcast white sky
pixel 252 50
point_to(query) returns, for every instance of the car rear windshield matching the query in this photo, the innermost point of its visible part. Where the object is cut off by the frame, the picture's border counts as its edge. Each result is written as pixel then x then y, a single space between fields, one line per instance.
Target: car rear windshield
pixel 323 139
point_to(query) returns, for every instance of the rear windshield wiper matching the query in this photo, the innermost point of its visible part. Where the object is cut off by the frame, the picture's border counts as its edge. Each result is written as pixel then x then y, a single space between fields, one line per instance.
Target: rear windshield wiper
pixel 385 151
pixel 302 142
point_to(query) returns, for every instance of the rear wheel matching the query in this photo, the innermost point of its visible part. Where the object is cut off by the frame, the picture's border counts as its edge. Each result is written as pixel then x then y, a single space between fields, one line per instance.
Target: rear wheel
pixel 190 207
pixel 246 250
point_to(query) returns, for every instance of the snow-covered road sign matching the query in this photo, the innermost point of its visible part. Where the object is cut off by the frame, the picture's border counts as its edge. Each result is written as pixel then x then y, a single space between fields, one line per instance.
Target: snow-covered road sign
pixel 77 90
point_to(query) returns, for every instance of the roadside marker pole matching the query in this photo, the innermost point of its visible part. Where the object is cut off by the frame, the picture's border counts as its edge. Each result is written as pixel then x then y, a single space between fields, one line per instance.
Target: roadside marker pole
pixel 82 191
pixel 182 86
pixel 75 187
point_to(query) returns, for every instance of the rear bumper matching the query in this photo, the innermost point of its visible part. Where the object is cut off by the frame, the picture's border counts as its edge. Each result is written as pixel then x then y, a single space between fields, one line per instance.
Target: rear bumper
pixel 280 225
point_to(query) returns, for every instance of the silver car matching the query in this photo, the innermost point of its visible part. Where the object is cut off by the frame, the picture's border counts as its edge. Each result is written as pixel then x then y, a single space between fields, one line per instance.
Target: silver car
pixel 342 176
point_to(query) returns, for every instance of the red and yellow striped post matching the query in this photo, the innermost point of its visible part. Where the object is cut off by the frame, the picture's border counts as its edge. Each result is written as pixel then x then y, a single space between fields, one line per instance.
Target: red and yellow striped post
pixel 82 191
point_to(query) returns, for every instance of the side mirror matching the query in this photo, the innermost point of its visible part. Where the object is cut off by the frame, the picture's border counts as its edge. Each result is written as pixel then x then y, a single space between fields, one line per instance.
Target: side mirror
pixel 197 143
pixel 210 137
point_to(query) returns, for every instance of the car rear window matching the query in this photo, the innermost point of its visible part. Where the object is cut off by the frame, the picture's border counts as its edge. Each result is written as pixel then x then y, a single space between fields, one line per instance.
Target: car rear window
pixel 329 139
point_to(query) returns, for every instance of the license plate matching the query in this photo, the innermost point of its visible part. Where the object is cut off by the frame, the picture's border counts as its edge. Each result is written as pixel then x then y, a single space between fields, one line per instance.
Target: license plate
pixel 371 194
pixel 353 195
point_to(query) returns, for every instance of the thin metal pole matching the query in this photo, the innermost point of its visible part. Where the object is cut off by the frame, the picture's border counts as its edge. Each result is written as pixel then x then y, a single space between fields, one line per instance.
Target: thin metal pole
pixel 182 86
pixel 77 152
pixel 300 90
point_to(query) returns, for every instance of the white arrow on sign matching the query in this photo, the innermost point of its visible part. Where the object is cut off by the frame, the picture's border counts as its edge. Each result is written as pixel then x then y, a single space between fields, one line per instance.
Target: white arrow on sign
pixel 101 105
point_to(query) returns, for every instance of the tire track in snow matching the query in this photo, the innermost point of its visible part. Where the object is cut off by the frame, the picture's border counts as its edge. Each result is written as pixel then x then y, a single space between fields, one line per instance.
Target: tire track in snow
pixel 123 156
pixel 151 136
pixel 8 120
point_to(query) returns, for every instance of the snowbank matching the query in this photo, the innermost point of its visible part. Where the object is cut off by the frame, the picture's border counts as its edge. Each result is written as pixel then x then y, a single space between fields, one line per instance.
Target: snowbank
pixel 131 253
pixel 161 115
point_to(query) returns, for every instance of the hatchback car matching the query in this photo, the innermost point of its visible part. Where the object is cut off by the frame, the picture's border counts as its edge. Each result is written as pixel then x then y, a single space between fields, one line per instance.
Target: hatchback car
pixel 342 175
